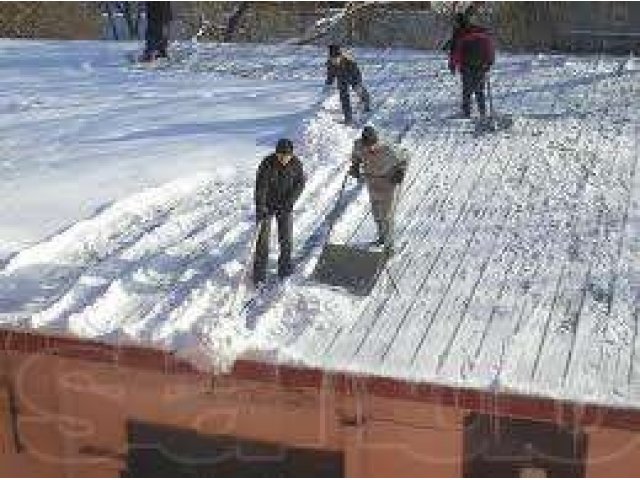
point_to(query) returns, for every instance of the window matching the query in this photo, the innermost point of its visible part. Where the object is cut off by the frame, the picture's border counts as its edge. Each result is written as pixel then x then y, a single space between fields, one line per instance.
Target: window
pixel 162 451
pixel 504 447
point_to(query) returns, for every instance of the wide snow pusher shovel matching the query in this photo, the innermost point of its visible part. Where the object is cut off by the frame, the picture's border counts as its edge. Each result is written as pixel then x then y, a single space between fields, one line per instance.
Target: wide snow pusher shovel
pixel 353 269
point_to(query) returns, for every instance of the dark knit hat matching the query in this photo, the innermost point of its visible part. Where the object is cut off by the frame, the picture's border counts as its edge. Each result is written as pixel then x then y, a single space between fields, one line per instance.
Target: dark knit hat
pixel 369 136
pixel 284 146
pixel 334 50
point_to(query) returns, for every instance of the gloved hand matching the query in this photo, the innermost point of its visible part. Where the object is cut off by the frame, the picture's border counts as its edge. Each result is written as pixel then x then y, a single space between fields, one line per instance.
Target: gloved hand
pixel 354 170
pixel 397 176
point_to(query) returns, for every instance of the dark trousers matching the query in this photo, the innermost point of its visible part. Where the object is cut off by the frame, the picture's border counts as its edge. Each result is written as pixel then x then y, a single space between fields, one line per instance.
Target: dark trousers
pixel 473 83
pixel 157 35
pixel 345 98
pixel 156 43
pixel 284 222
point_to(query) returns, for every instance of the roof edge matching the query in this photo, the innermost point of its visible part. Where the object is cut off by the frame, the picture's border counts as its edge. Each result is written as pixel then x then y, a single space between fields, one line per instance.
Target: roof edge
pixel 287 376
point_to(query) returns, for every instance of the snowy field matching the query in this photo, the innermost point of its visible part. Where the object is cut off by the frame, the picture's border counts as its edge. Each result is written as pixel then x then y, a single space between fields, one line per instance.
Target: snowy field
pixel 128 213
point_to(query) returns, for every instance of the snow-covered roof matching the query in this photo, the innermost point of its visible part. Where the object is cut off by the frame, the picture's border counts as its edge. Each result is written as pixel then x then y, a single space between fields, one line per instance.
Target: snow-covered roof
pixel 517 258
pixel 516 252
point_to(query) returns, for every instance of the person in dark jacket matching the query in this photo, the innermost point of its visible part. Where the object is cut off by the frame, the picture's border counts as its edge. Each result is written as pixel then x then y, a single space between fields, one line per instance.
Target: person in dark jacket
pixel 157 34
pixel 279 183
pixel 472 54
pixel 343 69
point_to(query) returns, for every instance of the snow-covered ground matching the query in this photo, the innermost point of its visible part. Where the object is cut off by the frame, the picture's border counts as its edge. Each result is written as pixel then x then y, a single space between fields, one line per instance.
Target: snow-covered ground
pixel 517 251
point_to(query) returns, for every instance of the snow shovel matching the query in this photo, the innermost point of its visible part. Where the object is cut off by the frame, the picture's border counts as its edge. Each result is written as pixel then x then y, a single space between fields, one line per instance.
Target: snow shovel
pixel 343 266
pixel 333 215
pixel 353 269
pixel 244 277
pixel 495 121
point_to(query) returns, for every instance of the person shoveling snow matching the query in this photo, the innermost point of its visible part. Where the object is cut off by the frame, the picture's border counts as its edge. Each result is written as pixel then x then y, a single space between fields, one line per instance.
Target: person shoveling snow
pixel 157 34
pixel 279 182
pixel 472 54
pixel 343 68
pixel 383 169
pixel 349 266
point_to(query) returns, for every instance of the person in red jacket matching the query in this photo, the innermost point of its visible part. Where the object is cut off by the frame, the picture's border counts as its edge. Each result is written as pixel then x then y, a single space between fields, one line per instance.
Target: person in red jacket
pixel 472 54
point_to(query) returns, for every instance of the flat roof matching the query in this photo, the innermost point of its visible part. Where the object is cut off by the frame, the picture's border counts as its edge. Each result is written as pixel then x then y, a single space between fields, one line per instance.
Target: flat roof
pixel 517 257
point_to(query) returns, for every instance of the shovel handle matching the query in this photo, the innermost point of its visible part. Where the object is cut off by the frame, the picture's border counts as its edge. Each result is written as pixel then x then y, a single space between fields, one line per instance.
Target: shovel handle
pixel 490 95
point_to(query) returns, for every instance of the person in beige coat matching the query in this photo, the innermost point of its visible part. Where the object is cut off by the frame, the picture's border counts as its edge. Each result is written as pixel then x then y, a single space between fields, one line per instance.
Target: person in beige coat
pixel 383 169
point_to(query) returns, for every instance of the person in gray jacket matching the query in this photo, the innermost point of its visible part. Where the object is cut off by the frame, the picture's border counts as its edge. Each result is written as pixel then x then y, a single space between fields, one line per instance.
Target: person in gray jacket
pixel 383 169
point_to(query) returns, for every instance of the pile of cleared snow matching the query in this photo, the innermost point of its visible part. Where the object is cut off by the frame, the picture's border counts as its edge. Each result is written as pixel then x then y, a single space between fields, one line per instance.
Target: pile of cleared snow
pixel 94 239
